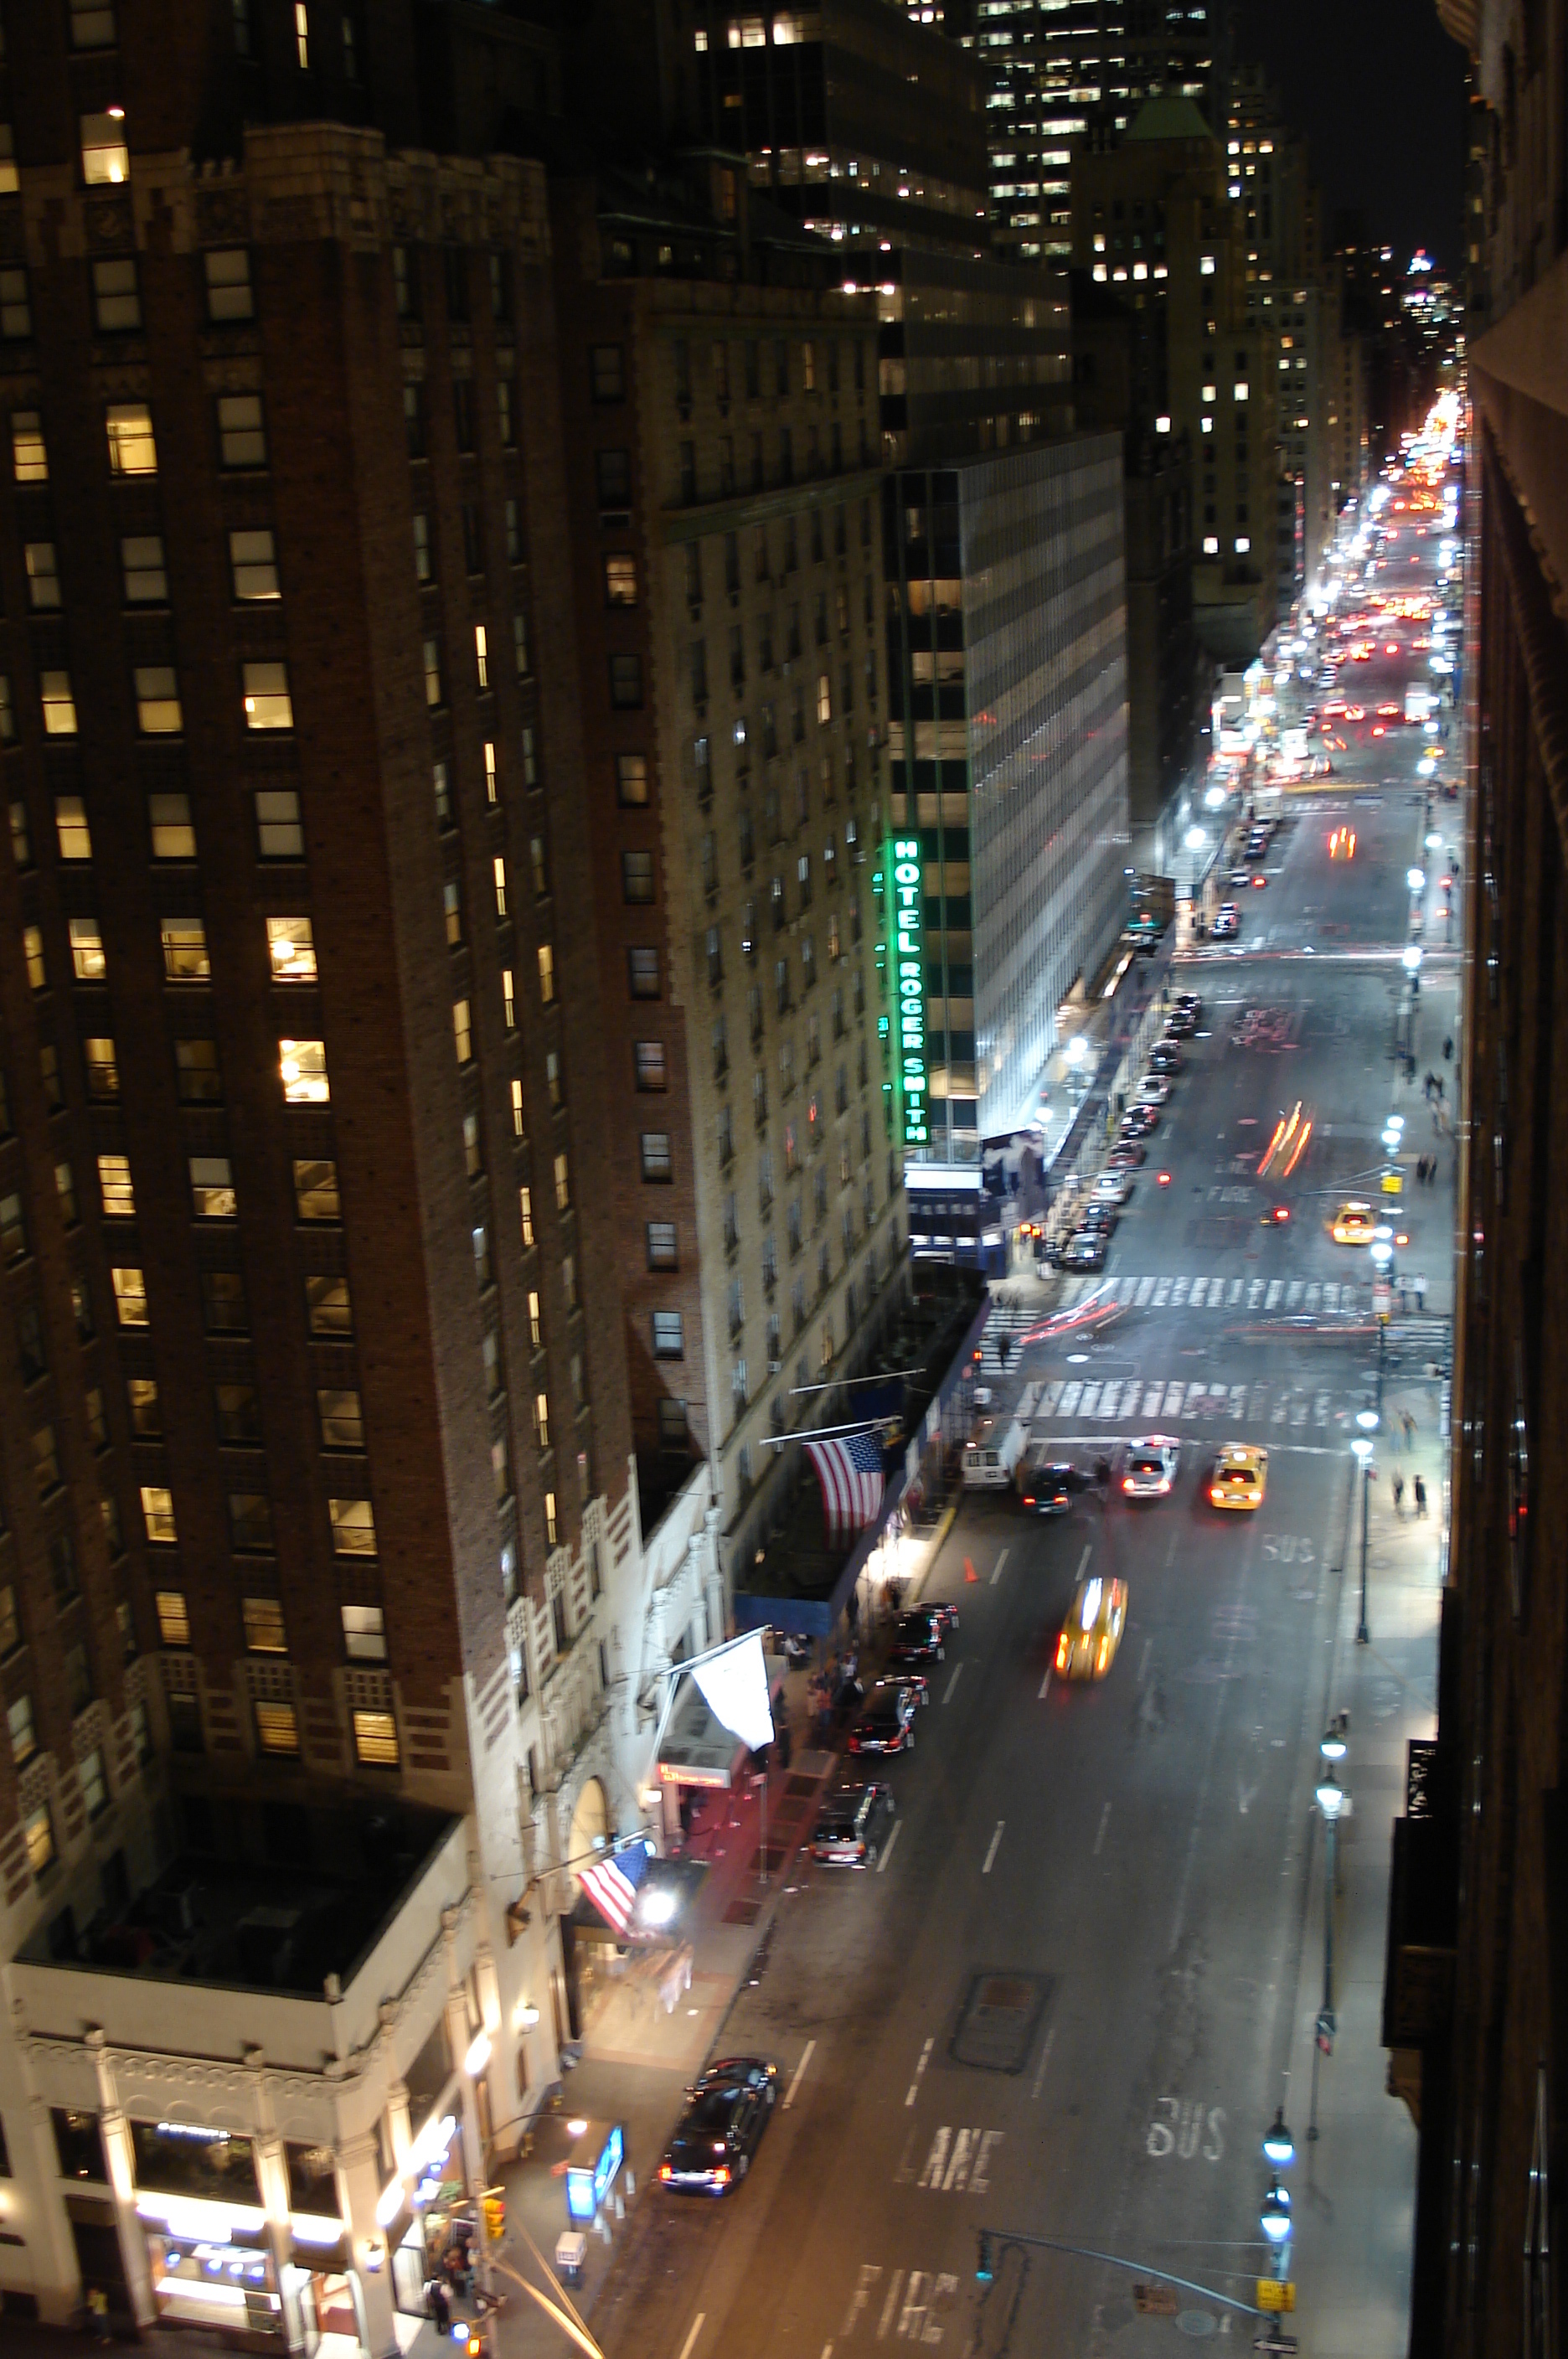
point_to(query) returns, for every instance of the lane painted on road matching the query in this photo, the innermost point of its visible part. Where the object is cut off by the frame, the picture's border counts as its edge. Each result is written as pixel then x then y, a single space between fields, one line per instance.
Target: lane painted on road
pixel 1001 1561
pixel 996 1846
pixel 690 2344
pixel 799 2075
pixel 882 1862
pixel 957 1675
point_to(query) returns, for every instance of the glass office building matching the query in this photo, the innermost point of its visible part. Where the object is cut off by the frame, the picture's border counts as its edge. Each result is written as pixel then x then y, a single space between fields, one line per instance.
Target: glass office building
pixel 1007 671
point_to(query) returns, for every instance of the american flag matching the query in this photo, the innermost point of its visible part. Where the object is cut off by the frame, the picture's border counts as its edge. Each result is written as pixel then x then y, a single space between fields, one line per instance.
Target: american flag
pixel 612 1885
pixel 850 1471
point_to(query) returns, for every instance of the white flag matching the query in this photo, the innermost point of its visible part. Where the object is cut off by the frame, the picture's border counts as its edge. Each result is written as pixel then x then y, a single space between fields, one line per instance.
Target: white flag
pixel 735 1685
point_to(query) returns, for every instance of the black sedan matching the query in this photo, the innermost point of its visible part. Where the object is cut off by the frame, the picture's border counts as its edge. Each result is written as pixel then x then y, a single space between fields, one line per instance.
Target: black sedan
pixel 887 1725
pixel 919 1636
pixel 1139 1120
pixel 726 2113
pixel 1084 1250
pixel 1050 1488
pixel 1101 1215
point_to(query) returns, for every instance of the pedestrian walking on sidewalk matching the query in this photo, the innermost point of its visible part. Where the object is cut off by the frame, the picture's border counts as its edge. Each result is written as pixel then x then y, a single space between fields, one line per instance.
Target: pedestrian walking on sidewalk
pixel 1408 1422
pixel 1448 1052
pixel 1421 1497
pixel 1400 1496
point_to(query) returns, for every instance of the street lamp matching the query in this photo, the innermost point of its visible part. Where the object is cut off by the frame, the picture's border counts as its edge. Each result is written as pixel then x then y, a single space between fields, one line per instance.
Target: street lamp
pixel 1330 1799
pixel 1275 2217
pixel 1279 2145
pixel 1363 1448
pixel 1416 879
pixel 1332 1746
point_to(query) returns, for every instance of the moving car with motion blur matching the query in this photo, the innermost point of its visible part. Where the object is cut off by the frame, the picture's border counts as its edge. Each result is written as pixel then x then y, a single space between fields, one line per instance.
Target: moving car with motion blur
pixel 1086 1249
pixel 1342 843
pixel 726 2112
pixel 887 1725
pixel 1354 1225
pixel 1227 922
pixel 1150 1468
pixel 1093 1629
pixel 1240 1476
pixel 854 1826
pixel 1047 1485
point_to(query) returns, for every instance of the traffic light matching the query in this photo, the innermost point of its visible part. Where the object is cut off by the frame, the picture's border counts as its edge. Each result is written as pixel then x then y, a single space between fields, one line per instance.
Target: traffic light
pixel 494 2209
pixel 982 2269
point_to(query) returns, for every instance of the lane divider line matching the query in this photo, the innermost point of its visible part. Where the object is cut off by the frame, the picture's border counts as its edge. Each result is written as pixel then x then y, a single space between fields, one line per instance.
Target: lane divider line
pixel 953 1682
pixel 697 2325
pixel 996 1845
pixel 799 2072
pixel 996 1568
pixel 1045 1683
pixel 1104 1822
pixel 882 1862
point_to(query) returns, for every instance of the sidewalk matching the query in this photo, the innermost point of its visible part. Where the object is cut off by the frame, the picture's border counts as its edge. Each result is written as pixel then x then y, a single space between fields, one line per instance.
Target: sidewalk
pixel 1354 2186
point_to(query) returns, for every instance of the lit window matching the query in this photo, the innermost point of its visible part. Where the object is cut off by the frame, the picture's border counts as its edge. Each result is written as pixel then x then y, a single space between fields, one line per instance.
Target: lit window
pixel 185 954
pixel 302 35
pixel 70 828
pixel 657 1163
pixel 516 1109
pixel 158 1513
pixel 562 1184
pixel 1211 545
pixel 668 1339
pixel 212 1188
pixel 229 293
pixel 116 300
pixel 104 154
pixel 94 1790
pixel 277 1724
pixel 87 961
pixel 650 1066
pixel 663 1252
pixel 432 672
pixel 353 1527
pixel 37 1834
pixel 43 573
pixel 620 581
pixel 29 457
pixel 253 562
pixel 492 792
pixel 303 1066
pixel 364 1634
pixel 316 1196
pixel 59 704
pixel 541 1419
pixel 130 1297
pixel 642 972
pixel 824 699
pixel 463 1031
pixel 157 700
pixel 508 999
pixel 376 1739
pixel 33 950
pixel 526 1213
pixel 1241 393
pixel 631 779
pixel 498 873
pixel 115 1187
pixel 1242 544
pixel 131 449
pixel 546 972
pixel 267 703
pixel 264 1632
pixel 103 1064
pixel 291 949
pixel 536 1325
pixel 329 1307
pixel 480 658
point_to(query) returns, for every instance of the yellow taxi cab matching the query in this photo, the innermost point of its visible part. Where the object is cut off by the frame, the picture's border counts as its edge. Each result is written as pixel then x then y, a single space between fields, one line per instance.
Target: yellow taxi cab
pixel 1342 843
pixel 1240 1476
pixel 1354 1225
pixel 1093 1630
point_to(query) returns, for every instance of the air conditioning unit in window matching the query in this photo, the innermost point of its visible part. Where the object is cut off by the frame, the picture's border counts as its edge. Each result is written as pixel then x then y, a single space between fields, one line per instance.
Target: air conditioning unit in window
pixel 774 1366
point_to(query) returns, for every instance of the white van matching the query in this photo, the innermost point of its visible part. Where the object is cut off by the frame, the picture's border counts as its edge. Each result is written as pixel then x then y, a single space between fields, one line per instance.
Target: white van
pixel 990 1454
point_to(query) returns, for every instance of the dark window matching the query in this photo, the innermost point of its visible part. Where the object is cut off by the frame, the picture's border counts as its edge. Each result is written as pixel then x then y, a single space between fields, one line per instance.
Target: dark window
pixel 223 1302
pixel 607 373
pixel 626 683
pixel 613 470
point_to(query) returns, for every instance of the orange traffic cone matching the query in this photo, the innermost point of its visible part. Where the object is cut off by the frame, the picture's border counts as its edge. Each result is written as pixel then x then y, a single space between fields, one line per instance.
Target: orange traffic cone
pixel 969 1572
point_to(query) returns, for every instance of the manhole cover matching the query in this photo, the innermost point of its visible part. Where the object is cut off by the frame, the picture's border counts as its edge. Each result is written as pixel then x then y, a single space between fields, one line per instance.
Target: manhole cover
pixel 999 2019
pixel 1195 2322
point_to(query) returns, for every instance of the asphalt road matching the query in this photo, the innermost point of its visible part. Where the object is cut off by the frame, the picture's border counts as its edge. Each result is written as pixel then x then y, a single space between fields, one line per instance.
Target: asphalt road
pixel 1061 2004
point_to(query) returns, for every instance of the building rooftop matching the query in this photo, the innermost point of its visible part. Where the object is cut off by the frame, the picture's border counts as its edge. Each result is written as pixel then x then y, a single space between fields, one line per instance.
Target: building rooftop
pixel 1169 116
pixel 258 1896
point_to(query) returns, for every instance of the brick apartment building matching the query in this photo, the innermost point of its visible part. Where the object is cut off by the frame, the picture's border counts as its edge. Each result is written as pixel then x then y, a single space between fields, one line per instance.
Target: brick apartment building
pixel 321 1545
pixel 724 471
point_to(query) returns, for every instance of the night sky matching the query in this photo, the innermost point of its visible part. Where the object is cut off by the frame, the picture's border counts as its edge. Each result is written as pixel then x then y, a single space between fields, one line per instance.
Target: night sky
pixel 1378 89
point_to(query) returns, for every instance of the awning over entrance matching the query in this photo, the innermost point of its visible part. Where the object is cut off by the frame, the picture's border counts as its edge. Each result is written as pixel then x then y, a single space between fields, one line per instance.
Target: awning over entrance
pixel 698 1750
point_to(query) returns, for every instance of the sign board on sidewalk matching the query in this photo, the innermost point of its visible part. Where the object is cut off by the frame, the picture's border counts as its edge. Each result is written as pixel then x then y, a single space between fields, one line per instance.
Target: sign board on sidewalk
pixel 1393 1183
pixel 1382 1302
pixel 1276 2293
pixel 1273 2340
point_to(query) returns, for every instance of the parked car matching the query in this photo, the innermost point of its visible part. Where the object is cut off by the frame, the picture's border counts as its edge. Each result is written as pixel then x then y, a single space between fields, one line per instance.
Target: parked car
pixel 1112 1187
pixel 1086 1249
pixel 1153 1090
pixel 1101 1215
pixel 854 1825
pixel 919 1636
pixel 1125 1156
pixel 710 2149
pixel 1138 1121
pixel 887 1725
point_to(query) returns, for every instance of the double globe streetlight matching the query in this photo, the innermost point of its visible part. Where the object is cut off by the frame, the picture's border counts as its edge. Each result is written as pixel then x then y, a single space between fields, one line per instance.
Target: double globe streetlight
pixel 1332 1800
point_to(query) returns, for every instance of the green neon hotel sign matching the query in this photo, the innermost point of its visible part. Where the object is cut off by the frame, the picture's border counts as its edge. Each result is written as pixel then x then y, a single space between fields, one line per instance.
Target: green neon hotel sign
pixel 909 970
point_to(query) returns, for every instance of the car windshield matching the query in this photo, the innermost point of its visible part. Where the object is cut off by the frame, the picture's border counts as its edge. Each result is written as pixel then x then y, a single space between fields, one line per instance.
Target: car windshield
pixel 711 2110
pixel 837 1827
